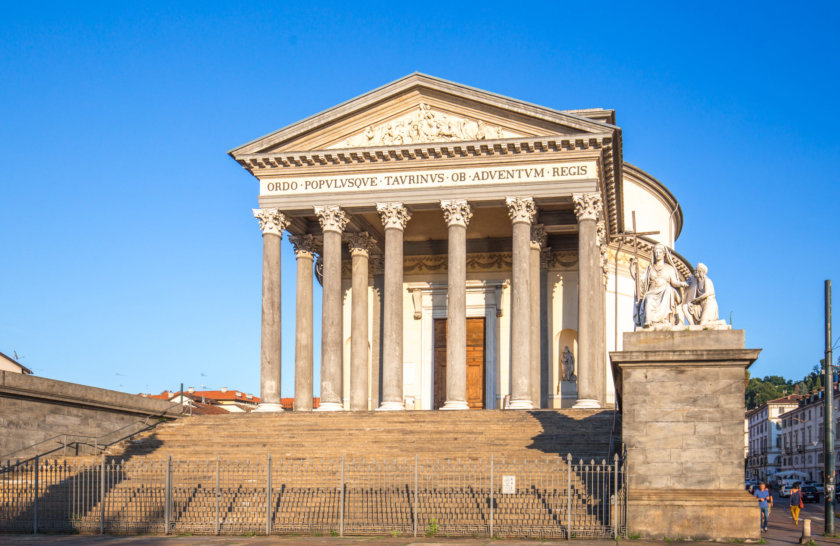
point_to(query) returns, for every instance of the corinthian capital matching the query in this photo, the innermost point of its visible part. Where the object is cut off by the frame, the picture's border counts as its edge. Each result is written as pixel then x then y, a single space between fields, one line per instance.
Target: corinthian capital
pixel 271 221
pixel 304 245
pixel 587 205
pixel 359 243
pixel 456 212
pixel 538 236
pixel 331 218
pixel 521 209
pixel 393 215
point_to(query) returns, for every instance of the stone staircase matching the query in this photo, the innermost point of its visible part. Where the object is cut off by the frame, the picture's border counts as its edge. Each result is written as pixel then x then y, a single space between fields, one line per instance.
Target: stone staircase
pixel 391 465
pixel 585 434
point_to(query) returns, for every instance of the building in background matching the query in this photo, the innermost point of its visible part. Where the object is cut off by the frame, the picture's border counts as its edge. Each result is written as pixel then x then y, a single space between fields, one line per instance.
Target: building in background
pixel 9 364
pixel 224 399
pixel 764 447
pixel 802 435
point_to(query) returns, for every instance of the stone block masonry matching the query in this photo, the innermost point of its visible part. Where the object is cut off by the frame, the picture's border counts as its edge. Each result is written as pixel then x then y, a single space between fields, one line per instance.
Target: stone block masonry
pixel 682 399
pixel 35 409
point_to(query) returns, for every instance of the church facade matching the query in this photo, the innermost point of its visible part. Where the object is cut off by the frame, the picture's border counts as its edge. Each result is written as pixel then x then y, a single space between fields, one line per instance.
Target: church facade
pixel 474 250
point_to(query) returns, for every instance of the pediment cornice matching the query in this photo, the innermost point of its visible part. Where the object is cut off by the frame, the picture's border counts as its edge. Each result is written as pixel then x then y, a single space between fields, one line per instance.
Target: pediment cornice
pixel 464 123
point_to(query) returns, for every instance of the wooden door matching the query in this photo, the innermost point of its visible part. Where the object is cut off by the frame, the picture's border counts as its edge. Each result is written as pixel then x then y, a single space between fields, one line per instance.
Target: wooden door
pixel 475 363
pixel 476 368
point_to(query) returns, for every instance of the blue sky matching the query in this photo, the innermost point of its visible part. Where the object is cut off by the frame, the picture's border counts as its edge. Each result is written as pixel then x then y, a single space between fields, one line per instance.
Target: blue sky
pixel 131 260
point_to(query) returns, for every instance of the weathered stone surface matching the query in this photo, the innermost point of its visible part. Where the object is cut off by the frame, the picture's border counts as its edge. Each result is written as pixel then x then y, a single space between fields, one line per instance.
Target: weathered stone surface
pixel 683 394
pixel 35 409
pixel 683 340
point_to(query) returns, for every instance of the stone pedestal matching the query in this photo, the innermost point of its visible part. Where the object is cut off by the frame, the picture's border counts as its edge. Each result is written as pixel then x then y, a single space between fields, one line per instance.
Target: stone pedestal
pixel 682 395
pixel 568 394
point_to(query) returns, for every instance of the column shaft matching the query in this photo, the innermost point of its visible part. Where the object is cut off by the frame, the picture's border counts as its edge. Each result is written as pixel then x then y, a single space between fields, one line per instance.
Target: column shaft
pixel 359 348
pixel 272 224
pixel 522 212
pixel 536 380
pixel 456 327
pixel 270 335
pixel 304 349
pixel 331 324
pixel 394 217
pixel 590 308
pixel 392 358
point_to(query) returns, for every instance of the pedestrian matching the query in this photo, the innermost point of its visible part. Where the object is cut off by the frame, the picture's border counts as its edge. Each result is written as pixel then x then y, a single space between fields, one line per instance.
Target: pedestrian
pixel 765 501
pixel 795 502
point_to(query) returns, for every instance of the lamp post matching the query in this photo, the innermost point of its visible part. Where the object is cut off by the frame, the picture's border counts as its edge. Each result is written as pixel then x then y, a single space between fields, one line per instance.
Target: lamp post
pixel 828 420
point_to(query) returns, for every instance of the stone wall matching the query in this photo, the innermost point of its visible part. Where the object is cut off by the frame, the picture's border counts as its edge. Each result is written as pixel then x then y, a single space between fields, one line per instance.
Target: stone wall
pixel 36 410
pixel 682 397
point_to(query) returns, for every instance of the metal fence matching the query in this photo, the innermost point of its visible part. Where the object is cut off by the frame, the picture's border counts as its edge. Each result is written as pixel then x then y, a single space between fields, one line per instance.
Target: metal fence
pixel 542 497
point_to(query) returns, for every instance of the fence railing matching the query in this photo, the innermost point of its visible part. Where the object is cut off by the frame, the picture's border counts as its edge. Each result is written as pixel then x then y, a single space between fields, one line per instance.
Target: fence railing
pixel 495 496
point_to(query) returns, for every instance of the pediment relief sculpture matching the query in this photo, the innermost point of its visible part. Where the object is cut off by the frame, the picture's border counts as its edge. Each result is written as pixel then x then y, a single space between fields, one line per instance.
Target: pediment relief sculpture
pixel 425 125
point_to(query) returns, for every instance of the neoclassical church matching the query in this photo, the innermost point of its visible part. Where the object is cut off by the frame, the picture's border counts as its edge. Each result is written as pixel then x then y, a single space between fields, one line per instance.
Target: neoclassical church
pixel 474 250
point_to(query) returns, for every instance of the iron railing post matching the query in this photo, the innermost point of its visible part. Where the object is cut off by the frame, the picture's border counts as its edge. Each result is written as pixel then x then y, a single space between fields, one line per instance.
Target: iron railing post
pixel 416 464
pixel 218 521
pixel 569 498
pixel 492 502
pixel 268 496
pixel 615 497
pixel 102 495
pixel 35 511
pixel 167 496
pixel 341 501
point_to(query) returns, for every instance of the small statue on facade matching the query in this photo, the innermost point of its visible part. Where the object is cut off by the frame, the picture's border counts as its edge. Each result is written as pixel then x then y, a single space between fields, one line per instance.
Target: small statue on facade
pixel 568 365
pixel 700 306
pixel 657 295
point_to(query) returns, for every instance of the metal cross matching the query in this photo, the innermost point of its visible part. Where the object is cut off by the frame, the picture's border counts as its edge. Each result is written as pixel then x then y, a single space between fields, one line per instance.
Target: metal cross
pixel 635 234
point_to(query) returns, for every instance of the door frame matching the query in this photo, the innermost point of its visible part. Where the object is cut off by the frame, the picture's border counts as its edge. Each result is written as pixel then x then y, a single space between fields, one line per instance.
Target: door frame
pixel 483 300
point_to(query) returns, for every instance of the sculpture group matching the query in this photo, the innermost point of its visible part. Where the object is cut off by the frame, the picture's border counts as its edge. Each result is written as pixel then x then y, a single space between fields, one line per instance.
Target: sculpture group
pixel 660 302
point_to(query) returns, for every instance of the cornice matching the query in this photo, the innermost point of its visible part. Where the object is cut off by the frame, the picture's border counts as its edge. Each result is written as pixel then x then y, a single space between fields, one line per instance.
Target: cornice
pixel 419 151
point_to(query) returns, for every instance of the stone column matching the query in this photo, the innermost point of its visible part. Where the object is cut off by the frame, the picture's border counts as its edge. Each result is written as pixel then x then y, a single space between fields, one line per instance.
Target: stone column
pixel 521 211
pixel 590 308
pixel 305 253
pixel 332 220
pixel 359 244
pixel 538 238
pixel 394 217
pixel 272 224
pixel 457 215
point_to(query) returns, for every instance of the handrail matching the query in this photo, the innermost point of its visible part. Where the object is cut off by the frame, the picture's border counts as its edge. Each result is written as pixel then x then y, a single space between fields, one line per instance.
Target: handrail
pixel 97 445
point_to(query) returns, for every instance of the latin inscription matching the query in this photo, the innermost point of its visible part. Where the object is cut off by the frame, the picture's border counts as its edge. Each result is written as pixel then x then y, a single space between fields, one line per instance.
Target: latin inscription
pixel 442 178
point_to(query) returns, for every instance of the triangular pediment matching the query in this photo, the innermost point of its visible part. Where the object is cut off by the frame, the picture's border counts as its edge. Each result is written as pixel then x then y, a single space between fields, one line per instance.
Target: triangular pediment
pixel 422 109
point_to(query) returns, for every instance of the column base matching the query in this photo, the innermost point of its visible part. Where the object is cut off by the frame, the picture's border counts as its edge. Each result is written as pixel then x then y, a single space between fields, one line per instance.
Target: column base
pixel 455 405
pixel 521 404
pixel 391 406
pixel 268 407
pixel 330 406
pixel 587 403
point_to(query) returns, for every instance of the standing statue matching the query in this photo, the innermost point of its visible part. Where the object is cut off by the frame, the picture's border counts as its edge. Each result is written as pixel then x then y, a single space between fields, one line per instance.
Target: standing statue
pixel 568 365
pixel 700 304
pixel 657 297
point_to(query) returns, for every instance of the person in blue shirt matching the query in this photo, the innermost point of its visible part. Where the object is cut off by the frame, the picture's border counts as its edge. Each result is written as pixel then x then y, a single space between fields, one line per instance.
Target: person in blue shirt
pixel 765 501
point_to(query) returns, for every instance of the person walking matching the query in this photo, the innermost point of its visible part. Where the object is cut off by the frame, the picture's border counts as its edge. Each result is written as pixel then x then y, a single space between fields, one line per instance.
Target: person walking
pixel 765 501
pixel 795 502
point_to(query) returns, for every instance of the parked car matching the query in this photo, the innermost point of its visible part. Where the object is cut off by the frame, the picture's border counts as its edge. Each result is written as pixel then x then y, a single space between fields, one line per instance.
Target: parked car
pixel 784 489
pixel 750 485
pixel 810 494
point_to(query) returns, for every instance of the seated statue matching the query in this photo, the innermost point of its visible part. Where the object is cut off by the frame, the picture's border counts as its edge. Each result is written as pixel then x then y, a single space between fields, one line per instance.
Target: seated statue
pixel 700 304
pixel 657 302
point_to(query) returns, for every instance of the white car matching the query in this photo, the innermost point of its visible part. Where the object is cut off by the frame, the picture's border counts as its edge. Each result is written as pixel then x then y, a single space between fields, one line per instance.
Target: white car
pixel 784 490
